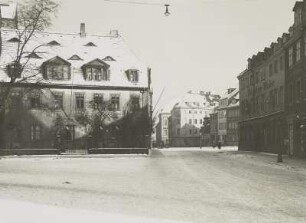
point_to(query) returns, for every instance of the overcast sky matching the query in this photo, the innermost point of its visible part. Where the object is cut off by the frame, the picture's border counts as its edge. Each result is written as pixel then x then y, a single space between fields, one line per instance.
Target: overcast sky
pixel 203 44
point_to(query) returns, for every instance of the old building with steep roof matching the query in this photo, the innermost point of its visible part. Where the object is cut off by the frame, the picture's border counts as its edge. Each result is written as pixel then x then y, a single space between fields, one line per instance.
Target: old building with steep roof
pixel 67 80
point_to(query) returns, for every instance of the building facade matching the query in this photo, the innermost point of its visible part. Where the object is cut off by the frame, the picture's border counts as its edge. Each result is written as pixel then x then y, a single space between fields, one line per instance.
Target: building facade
pixel 77 90
pixel 225 101
pixel 187 118
pixel 214 127
pixel 272 92
pixel 262 100
pixel 162 130
pixel 232 123
pixel 295 82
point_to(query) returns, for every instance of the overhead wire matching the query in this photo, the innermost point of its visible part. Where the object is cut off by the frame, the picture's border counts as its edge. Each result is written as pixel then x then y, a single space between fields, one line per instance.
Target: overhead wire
pixel 135 2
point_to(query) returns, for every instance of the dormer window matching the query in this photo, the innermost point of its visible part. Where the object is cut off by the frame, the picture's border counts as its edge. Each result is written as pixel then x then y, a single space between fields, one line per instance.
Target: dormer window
pixel 109 58
pixel 54 43
pixel 96 70
pixel 90 44
pixel 33 56
pixel 132 75
pixel 56 69
pixel 14 40
pixel 14 70
pixel 75 57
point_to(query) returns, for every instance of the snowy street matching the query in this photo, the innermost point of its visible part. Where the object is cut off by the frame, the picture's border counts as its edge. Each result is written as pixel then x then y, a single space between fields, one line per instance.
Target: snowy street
pixel 175 185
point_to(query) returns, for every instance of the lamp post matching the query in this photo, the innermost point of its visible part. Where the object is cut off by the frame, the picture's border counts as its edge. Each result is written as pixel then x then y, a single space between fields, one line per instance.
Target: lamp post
pixel 280 145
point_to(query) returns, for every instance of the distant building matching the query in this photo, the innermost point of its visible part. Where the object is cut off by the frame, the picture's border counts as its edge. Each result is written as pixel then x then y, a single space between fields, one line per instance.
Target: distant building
pixel 162 130
pixel 214 127
pixel 187 118
pixel 232 115
pixel 225 101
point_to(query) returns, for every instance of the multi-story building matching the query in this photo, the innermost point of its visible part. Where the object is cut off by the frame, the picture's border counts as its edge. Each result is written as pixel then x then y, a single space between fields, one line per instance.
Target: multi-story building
pixel 77 90
pixel 187 118
pixel 232 116
pixel 162 130
pixel 272 93
pixel 225 101
pixel 295 82
pixel 262 100
pixel 214 127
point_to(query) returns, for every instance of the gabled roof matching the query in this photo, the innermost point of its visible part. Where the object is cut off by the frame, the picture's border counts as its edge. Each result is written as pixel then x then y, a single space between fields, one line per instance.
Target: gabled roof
pixel 56 60
pixel 96 62
pixel 73 44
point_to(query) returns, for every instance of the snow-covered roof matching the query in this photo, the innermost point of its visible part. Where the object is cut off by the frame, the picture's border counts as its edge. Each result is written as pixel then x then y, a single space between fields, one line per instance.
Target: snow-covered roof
pixel 8 9
pixel 196 100
pixel 66 46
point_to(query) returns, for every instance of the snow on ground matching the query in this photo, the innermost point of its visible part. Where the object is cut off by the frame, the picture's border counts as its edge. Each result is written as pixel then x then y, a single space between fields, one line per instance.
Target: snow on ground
pixel 33 213
pixel 182 184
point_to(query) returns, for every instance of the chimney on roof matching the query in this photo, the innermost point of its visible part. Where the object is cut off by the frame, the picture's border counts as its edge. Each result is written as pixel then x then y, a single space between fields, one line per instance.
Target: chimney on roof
pixel 114 33
pixel 82 30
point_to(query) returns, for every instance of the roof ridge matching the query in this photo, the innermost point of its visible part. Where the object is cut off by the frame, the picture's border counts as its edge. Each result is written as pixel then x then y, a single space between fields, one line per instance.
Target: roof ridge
pixel 68 34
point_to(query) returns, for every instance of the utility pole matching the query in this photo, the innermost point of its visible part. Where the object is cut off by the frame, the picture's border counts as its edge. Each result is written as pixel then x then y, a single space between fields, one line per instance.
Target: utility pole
pixel 149 98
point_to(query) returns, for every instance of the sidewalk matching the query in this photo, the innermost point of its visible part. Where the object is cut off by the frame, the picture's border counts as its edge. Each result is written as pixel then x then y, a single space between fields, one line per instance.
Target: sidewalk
pixel 23 212
pixel 289 162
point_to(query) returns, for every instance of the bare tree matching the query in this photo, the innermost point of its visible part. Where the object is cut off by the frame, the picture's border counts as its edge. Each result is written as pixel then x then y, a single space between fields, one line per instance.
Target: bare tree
pixel 33 16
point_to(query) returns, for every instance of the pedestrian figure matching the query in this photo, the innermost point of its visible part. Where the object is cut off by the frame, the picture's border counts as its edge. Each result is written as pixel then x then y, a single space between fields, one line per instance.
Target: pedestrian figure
pixel 219 145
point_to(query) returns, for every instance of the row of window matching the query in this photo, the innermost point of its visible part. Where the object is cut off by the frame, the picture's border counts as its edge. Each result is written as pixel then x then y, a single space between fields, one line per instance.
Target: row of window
pixel 98 102
pixel 261 75
pixel 263 102
pixel 195 121
pixel 196 112
pixel 191 132
pixel 59 69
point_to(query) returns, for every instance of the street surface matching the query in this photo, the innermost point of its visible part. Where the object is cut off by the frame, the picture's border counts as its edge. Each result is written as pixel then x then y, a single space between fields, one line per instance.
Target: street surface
pixel 172 185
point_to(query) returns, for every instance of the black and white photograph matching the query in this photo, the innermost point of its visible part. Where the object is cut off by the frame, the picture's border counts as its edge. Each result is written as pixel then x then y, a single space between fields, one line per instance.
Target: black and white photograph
pixel 152 111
